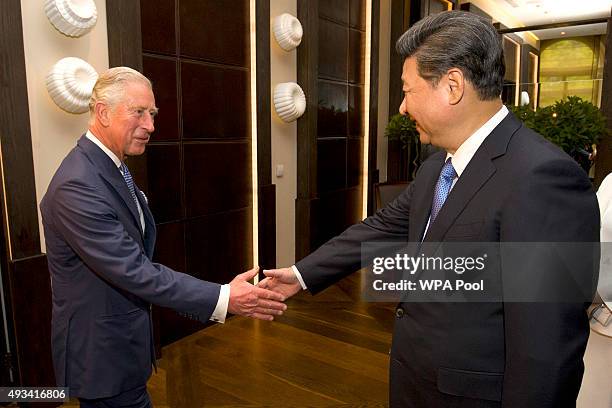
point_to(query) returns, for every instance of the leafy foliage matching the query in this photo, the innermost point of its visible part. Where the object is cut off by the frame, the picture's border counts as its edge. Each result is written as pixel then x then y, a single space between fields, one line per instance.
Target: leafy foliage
pixel 571 123
pixel 402 128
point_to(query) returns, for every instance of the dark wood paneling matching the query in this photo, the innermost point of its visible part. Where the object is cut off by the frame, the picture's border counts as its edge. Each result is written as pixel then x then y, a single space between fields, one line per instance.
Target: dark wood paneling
pixel 331 164
pixel 25 274
pixel 337 45
pixel 162 72
pixel 355 111
pixel 267 226
pixel 163 187
pixel 333 109
pixel 219 246
pixel 266 190
pixel 604 157
pixel 400 12
pixel 337 10
pixel 373 172
pixel 15 137
pixel 356 57
pixel 354 162
pixel 357 14
pixel 170 245
pixel 216 31
pixel 307 73
pixel 264 139
pixel 333 50
pixel 215 101
pixel 158 26
pixel 335 212
pixel 217 177
pixel 124 34
pixel 211 101
pixel 29 281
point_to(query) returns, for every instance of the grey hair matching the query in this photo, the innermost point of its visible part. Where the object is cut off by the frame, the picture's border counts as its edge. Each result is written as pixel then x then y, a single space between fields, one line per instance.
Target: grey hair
pixel 111 84
pixel 457 39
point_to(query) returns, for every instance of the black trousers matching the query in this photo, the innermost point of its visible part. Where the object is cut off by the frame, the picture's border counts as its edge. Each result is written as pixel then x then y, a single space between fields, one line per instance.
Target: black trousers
pixel 135 398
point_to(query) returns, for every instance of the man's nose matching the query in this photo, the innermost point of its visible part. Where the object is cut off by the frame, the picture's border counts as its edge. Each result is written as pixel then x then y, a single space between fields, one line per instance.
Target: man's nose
pixel 402 107
pixel 149 123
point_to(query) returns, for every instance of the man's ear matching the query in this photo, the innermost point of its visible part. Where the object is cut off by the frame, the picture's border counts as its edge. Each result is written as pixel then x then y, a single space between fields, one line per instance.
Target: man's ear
pixel 103 113
pixel 455 85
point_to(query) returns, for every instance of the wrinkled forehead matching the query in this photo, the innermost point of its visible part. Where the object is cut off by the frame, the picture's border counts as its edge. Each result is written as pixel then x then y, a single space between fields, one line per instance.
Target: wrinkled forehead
pixel 138 94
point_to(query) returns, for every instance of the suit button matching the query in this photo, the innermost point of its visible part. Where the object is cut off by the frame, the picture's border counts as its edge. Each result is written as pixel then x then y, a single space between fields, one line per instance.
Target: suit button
pixel 399 312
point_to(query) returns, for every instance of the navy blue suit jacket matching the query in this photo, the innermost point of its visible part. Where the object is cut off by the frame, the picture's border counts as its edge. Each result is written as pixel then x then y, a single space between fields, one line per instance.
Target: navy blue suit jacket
pixel 103 280
pixel 517 188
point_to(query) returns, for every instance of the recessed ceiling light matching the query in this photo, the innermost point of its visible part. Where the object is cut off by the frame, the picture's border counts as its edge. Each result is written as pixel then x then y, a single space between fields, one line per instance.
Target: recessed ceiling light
pixel 562 32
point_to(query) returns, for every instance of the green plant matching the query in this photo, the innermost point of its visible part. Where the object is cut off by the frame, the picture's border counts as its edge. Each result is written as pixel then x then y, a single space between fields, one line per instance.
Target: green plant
pixel 402 128
pixel 571 123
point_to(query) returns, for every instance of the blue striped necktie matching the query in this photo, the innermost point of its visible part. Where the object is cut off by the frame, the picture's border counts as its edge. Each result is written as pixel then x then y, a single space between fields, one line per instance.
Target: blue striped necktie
pixel 129 181
pixel 443 186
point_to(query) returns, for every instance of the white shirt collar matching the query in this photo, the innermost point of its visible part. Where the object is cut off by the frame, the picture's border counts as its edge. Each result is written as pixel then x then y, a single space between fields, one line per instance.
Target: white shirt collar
pixel 466 151
pixel 105 149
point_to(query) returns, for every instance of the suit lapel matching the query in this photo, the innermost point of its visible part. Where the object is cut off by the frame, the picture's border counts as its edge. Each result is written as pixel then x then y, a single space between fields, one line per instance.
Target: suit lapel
pixel 109 172
pixel 479 170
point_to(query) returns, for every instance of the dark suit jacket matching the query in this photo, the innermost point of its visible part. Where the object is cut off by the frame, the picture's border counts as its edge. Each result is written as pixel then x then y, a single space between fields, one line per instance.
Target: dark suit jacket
pixel 517 188
pixel 103 280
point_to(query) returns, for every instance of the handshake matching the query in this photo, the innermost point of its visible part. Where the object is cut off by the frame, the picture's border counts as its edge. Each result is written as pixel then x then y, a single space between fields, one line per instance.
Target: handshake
pixel 264 300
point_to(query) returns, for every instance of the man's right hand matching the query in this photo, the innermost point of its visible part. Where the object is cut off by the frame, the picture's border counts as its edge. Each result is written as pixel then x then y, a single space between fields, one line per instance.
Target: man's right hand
pixel 253 301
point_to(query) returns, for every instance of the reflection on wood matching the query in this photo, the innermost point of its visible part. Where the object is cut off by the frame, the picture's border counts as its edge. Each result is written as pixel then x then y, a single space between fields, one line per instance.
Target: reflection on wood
pixel 328 350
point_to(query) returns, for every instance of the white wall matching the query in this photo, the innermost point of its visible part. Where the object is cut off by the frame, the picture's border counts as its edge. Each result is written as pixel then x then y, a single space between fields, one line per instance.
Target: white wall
pixel 283 68
pixel 55 132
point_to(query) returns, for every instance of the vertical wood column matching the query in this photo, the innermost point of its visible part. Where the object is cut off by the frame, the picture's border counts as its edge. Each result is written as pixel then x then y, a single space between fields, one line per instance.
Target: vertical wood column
pixel 25 278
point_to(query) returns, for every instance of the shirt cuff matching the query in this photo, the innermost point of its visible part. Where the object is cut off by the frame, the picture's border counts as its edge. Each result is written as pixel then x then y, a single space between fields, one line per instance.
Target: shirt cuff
pixel 299 276
pixel 220 311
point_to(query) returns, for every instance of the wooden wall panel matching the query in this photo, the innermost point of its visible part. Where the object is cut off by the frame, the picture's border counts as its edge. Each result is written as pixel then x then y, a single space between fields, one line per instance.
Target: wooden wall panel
pixel 217 177
pixel 216 248
pixel 162 71
pixel 215 101
pixel 158 32
pixel 215 30
pixel 331 68
pixel 23 267
pixel 197 168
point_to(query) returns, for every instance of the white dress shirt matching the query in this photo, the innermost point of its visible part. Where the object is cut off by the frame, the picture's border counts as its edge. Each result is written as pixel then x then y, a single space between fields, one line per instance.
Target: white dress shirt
pixel 220 312
pixel 460 159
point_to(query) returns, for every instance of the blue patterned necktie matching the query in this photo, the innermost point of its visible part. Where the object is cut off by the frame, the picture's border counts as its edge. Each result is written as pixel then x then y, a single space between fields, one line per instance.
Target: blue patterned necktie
pixel 129 181
pixel 445 181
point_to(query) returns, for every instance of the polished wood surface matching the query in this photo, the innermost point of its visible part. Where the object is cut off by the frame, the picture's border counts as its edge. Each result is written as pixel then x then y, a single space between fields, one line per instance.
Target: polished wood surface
pixel 329 350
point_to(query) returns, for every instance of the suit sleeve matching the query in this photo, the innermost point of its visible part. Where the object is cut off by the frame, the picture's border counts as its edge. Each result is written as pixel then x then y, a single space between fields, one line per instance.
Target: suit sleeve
pixel 342 255
pixel 82 216
pixel 545 338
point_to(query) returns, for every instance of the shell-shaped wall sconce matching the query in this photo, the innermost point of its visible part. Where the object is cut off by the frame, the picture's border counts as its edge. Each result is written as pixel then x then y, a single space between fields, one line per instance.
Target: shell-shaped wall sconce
pixel 289 101
pixel 73 18
pixel 70 83
pixel 287 31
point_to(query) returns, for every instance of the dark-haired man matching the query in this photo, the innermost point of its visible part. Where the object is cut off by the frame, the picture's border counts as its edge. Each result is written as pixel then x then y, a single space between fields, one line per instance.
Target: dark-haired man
pixel 496 181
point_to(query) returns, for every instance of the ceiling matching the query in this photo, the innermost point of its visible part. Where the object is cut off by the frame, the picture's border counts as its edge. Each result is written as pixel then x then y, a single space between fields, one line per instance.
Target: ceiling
pixel 518 13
